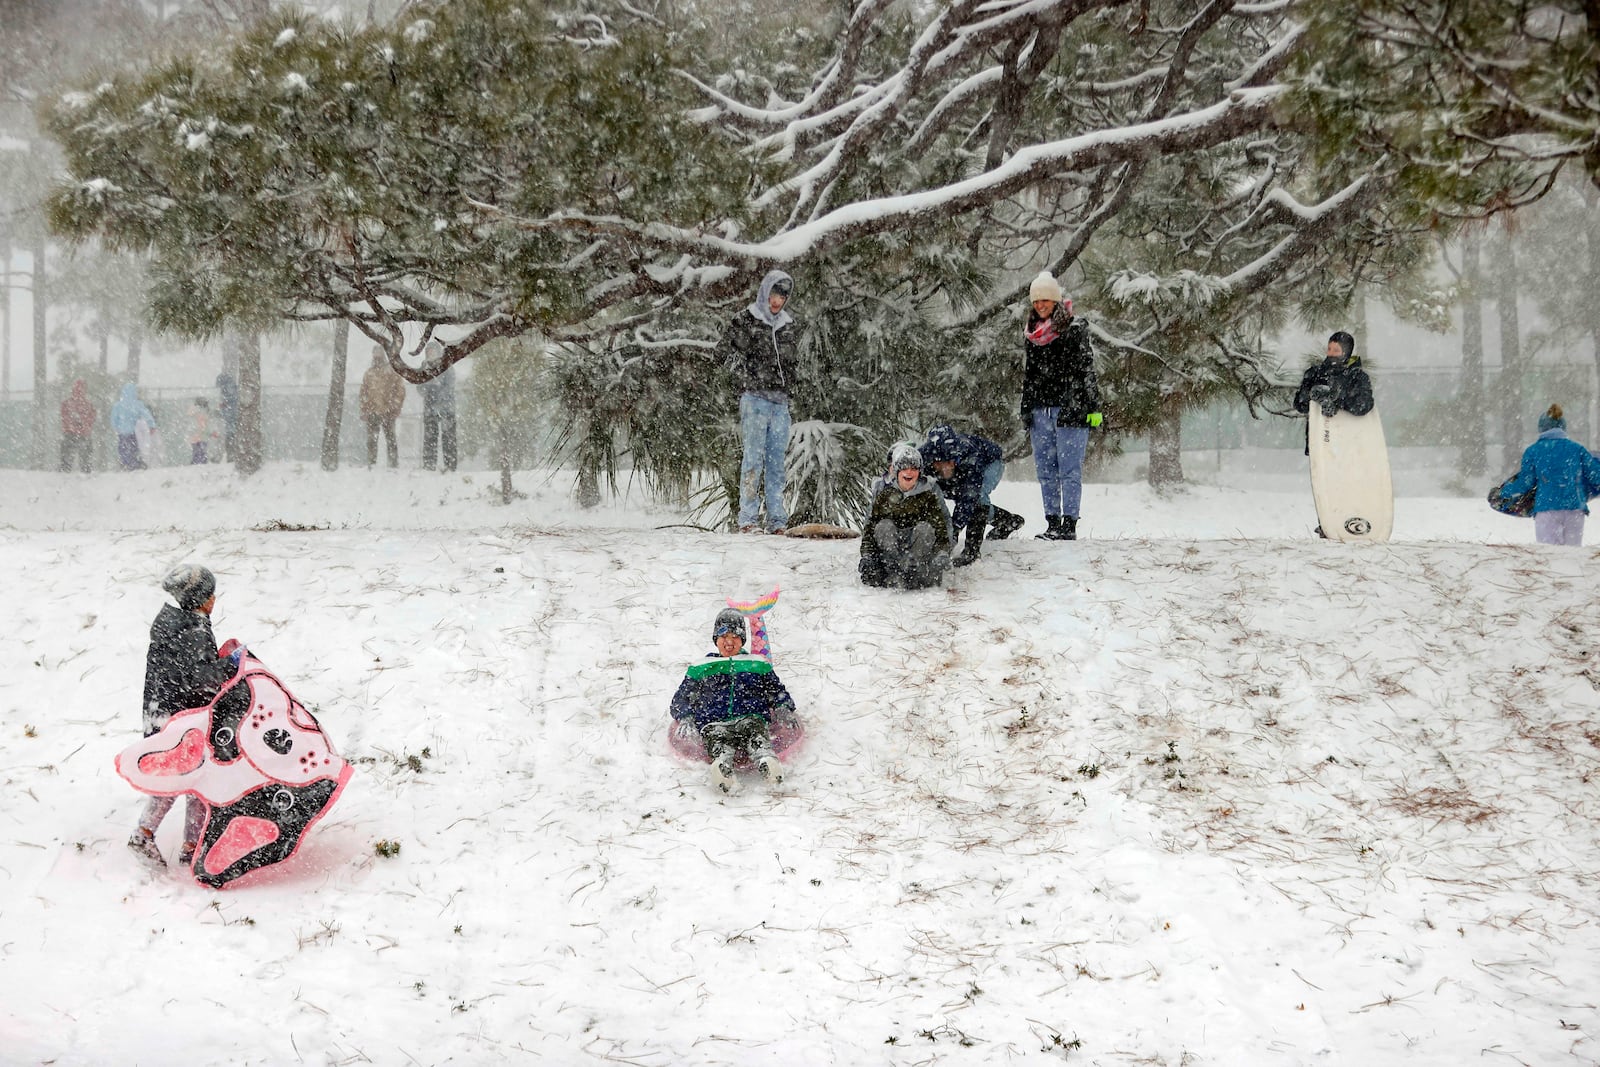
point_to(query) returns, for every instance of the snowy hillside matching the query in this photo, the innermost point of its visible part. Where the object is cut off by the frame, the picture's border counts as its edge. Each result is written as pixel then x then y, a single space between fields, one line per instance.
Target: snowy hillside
pixel 1198 790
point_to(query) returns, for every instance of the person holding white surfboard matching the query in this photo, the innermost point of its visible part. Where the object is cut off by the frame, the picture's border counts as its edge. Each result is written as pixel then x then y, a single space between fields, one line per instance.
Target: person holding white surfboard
pixel 1564 477
pixel 1337 384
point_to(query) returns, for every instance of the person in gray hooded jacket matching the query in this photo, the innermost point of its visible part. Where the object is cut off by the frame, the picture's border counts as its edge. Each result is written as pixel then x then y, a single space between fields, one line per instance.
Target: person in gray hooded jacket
pixel 760 347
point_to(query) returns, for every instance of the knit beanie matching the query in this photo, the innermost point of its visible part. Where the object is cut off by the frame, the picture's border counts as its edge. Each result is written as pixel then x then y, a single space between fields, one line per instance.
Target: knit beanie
pixel 904 457
pixel 1044 287
pixel 1346 342
pixel 942 444
pixel 728 621
pixel 190 585
pixel 1553 419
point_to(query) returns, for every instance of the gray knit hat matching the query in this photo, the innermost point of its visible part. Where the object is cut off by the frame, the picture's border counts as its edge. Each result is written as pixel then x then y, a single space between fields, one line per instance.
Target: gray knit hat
pixel 904 456
pixel 728 621
pixel 190 585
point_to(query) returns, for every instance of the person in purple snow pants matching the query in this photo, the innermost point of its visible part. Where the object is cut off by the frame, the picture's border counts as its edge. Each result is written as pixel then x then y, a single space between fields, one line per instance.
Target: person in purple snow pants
pixel 1564 477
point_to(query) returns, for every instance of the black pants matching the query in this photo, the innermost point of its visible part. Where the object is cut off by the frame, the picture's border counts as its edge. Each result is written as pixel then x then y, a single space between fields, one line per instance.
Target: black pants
pixel 748 734
pixel 906 558
pixel 439 436
pixel 386 424
pixel 74 446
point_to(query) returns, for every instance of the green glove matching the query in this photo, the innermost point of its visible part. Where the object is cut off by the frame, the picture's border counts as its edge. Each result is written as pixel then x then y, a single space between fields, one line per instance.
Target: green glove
pixel 1095 419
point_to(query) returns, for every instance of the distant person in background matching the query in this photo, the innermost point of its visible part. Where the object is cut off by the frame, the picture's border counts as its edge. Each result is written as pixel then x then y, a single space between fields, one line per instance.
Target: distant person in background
pixel 228 390
pixel 1060 403
pixel 127 415
pixel 1564 477
pixel 439 416
pixel 383 395
pixel 77 427
pixel 199 430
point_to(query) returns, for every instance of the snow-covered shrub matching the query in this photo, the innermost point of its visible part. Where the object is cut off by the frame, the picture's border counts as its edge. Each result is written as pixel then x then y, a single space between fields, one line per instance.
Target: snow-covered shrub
pixel 824 472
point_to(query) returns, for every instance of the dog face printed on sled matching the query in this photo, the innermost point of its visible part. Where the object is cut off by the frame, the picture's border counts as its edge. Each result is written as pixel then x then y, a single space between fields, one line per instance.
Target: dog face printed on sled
pixel 257 758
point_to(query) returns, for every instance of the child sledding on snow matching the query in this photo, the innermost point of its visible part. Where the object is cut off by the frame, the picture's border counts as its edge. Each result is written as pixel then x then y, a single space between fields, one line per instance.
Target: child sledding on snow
pixel 731 708
pixel 906 539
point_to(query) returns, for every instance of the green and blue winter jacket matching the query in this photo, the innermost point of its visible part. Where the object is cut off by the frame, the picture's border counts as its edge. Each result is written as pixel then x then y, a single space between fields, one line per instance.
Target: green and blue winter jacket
pixel 721 688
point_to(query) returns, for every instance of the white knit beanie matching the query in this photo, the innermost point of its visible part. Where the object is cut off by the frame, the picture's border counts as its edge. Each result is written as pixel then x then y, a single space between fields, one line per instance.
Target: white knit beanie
pixel 1044 287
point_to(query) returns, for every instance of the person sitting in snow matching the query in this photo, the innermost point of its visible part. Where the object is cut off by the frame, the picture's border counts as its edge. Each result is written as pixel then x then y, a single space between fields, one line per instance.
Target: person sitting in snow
pixel 182 671
pixel 733 700
pixel 967 468
pixel 906 540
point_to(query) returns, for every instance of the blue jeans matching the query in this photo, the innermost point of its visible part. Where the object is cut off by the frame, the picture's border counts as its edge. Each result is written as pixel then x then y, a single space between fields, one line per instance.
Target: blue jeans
pixel 1058 461
pixel 764 427
pixel 991 478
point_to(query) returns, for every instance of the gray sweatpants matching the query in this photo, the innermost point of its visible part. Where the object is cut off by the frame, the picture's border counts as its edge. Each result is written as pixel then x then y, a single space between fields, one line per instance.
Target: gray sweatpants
pixel 193 815
pixel 1558 527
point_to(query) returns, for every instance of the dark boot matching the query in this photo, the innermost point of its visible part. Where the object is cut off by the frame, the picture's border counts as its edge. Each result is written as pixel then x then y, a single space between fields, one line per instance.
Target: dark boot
pixel 1069 528
pixel 1052 531
pixel 1004 524
pixel 974 546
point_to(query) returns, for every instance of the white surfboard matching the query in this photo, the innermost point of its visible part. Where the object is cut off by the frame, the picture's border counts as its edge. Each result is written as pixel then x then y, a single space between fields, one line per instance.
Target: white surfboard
pixel 1350 476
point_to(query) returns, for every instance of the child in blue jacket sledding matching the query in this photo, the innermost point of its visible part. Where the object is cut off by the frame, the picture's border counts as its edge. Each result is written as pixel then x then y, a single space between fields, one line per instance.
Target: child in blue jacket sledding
pixel 1563 475
pixel 733 699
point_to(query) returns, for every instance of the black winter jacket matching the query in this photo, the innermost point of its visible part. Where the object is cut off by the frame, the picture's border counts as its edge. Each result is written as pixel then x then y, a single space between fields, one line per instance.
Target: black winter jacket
pixel 181 669
pixel 1060 373
pixel 1351 388
pixel 763 360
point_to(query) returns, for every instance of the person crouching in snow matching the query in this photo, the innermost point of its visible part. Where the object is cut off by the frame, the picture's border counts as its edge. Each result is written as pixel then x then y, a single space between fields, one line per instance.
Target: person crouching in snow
pixel 733 700
pixel 967 468
pixel 906 540
pixel 182 671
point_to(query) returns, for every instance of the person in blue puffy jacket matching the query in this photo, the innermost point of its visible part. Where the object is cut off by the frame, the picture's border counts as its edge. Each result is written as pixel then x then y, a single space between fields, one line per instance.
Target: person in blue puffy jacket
pixel 1564 477
pixel 126 415
pixel 733 699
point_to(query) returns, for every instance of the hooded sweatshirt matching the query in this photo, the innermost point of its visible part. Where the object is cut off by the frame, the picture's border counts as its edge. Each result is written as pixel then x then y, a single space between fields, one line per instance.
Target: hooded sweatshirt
pixel 129 411
pixel 77 413
pixel 762 348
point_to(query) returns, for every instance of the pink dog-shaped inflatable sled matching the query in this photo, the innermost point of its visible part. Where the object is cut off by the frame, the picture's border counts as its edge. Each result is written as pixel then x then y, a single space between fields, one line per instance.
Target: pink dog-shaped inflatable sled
pixel 258 760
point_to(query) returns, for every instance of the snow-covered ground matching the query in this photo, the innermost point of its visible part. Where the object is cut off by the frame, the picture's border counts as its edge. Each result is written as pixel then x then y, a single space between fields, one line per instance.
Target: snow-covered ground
pixel 1197 790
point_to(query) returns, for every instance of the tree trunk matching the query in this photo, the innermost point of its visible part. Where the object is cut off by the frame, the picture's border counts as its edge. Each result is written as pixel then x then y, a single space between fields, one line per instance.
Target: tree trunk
pixel 334 422
pixel 1166 446
pixel 1512 430
pixel 41 410
pixel 503 443
pixel 5 314
pixel 104 332
pixel 247 441
pixel 1591 198
pixel 135 349
pixel 1471 455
